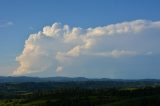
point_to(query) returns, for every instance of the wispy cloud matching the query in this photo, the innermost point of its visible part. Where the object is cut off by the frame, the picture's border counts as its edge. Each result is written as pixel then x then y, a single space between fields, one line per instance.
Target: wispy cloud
pixel 4 24
pixel 116 53
pixel 57 45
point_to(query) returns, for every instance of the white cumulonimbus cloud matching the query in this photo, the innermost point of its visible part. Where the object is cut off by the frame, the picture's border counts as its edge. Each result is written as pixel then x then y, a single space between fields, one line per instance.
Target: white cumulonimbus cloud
pixel 57 45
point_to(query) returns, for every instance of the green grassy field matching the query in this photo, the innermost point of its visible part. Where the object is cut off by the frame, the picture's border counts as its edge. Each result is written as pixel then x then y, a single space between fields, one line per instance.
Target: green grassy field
pixel 139 101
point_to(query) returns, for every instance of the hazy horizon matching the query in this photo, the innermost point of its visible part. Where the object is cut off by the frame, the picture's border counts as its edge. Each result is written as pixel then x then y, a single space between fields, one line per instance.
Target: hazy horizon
pixel 92 39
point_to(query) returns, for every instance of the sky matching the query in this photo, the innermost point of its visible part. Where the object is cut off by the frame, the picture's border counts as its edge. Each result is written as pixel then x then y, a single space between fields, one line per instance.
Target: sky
pixel 87 38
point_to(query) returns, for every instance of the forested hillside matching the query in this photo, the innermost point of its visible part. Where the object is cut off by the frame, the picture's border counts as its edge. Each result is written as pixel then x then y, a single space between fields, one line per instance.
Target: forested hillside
pixel 81 93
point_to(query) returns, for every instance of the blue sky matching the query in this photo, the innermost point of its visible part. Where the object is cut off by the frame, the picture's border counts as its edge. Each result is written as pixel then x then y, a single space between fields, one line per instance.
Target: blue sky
pixel 19 19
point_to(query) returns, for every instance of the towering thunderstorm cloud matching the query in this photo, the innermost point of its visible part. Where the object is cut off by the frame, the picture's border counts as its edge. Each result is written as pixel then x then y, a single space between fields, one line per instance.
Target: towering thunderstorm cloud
pixel 58 45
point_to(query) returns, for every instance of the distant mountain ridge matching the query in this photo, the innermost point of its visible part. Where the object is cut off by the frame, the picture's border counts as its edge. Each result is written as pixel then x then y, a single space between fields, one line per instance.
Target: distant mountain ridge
pixel 38 79
pixel 19 79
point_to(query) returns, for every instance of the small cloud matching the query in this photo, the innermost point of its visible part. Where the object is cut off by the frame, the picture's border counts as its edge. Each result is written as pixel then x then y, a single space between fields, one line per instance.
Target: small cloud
pixel 4 24
pixel 31 28
pixel 59 69
pixel 149 53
